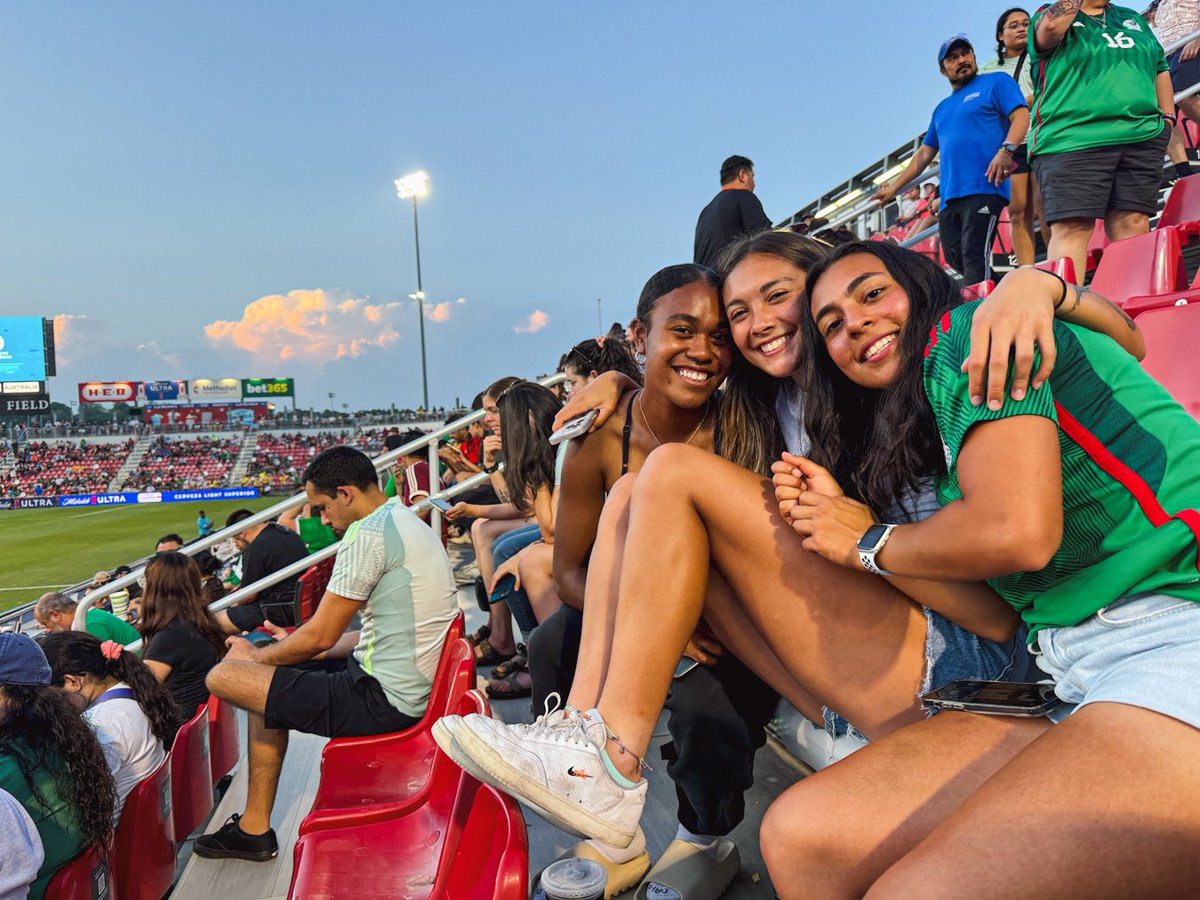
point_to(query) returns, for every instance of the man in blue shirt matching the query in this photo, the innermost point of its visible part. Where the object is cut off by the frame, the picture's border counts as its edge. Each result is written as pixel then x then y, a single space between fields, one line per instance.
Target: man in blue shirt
pixel 977 129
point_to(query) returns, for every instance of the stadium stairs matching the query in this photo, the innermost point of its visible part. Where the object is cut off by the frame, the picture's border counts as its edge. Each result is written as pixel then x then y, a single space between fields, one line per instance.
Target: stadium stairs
pixel 241 465
pixel 131 464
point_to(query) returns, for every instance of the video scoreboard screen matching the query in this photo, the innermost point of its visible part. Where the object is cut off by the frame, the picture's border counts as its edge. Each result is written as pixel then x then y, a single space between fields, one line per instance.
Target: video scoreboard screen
pixel 26 348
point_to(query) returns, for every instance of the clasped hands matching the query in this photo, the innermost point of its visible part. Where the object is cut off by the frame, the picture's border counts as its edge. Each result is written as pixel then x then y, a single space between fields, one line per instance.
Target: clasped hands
pixel 815 506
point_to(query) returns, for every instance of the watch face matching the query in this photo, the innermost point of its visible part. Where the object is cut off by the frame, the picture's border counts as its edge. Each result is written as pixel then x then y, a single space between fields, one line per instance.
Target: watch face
pixel 871 537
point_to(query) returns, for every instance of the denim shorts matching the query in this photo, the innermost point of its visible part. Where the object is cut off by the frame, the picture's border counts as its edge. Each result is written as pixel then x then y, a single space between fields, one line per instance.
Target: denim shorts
pixel 952 654
pixel 1142 650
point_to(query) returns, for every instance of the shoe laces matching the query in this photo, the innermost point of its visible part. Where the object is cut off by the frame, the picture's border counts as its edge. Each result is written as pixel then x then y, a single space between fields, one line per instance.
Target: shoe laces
pixel 554 718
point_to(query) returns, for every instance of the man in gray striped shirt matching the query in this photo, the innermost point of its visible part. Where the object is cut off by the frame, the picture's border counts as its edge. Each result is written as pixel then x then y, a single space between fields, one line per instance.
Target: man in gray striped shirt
pixel 391 571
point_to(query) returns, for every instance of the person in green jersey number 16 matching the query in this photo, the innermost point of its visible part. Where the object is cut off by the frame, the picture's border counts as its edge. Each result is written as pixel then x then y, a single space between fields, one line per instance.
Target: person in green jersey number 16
pixel 1103 111
pixel 1078 505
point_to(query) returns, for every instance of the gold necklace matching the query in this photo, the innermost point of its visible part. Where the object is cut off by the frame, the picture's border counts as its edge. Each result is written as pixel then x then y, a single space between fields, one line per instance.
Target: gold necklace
pixel 646 422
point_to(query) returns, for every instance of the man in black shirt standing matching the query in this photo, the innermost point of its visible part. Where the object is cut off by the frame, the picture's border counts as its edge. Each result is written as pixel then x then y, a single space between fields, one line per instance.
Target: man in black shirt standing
pixel 734 213
pixel 266 548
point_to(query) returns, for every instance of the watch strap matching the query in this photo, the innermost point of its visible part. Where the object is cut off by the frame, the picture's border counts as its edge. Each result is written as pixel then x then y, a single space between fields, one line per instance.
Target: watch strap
pixel 867 554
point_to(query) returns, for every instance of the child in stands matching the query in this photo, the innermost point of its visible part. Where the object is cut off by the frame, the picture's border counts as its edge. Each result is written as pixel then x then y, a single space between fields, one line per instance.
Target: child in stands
pixel 50 760
pixel 132 713
pixel 181 636
pixel 1079 507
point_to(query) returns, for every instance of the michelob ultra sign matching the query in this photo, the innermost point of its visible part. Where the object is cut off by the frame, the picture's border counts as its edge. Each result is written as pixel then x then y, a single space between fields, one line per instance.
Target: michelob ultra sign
pixel 253 388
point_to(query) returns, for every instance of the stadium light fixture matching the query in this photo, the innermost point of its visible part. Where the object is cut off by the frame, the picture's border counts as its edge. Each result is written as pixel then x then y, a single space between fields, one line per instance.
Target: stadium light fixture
pixel 412 186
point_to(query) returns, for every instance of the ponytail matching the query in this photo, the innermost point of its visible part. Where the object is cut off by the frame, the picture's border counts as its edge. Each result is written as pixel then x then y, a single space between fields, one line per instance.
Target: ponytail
pixel 83 654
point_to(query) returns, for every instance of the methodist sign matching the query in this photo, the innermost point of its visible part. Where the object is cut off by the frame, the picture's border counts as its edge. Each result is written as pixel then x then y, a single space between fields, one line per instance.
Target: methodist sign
pixel 253 388
pixel 210 389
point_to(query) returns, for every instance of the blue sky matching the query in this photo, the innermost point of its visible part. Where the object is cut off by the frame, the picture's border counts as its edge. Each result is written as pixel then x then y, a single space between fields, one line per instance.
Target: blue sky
pixel 205 190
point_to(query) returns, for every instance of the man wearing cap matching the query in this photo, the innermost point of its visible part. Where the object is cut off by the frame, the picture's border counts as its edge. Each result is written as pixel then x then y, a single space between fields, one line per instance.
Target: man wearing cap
pixel 976 130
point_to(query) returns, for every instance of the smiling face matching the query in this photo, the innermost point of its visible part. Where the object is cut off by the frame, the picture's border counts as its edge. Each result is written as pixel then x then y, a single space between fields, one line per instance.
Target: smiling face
pixel 687 345
pixel 764 299
pixel 860 311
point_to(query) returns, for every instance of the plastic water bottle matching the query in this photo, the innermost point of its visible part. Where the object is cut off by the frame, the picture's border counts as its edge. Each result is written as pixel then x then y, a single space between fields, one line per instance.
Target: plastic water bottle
pixel 573 879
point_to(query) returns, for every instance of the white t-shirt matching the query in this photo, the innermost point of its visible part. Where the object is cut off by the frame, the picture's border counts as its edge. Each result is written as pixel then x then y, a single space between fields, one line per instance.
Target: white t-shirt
pixel 130 747
pixel 396 566
pixel 21 853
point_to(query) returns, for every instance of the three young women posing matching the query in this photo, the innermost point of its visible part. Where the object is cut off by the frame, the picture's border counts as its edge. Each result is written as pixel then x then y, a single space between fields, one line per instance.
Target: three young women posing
pixel 736 559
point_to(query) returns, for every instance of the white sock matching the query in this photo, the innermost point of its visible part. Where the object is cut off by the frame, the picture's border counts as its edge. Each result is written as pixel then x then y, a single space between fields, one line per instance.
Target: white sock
pixel 706 842
pixel 620 855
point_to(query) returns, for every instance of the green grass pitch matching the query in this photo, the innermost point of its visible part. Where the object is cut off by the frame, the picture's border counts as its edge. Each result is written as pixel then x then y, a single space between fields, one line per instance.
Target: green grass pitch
pixel 44 549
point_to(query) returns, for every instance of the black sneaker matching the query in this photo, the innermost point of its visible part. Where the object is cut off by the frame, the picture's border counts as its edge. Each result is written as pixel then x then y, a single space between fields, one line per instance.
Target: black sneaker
pixel 230 842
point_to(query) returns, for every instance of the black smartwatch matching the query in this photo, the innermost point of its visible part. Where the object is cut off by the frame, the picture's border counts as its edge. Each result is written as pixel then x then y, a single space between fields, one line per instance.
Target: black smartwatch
pixel 1011 148
pixel 870 544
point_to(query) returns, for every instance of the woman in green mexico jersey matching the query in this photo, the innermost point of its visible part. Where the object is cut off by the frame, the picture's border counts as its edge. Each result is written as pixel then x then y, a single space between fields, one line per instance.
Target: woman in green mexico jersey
pixel 1078 505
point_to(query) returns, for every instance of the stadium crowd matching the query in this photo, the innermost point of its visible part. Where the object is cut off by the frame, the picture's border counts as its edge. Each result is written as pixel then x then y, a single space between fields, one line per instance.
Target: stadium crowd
pixel 791 483
pixel 279 459
pixel 184 464
pixel 40 468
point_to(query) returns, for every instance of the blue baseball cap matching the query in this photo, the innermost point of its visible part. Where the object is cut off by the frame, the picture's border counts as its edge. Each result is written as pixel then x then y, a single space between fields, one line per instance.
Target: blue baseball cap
pixel 959 38
pixel 22 661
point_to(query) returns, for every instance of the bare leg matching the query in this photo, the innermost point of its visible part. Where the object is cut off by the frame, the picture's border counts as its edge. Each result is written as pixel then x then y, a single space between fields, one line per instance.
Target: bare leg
pixel 834 833
pixel 1020 214
pixel 850 639
pixel 1122 223
pixel 483 535
pixel 535 568
pixel 225 625
pixel 600 596
pixel 245 685
pixel 1176 146
pixel 1055 822
pixel 1069 239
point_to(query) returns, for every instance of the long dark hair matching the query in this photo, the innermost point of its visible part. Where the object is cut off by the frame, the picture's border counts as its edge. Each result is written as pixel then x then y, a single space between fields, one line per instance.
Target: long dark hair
pixel 878 444
pixel 61 742
pixel 601 355
pixel 78 653
pixel 1000 23
pixel 527 414
pixel 175 593
pixel 749 425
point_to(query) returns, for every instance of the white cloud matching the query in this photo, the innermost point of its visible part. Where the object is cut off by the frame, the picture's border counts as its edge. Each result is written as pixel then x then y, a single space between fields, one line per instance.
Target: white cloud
pixel 309 325
pixel 536 322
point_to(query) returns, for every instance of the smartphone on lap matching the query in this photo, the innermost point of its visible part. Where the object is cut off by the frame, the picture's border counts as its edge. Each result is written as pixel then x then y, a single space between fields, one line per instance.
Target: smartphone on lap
pixel 994 698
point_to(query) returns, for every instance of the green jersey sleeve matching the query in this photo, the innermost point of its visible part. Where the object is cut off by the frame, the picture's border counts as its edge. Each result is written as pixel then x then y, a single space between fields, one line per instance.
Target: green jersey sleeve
pixel 946 385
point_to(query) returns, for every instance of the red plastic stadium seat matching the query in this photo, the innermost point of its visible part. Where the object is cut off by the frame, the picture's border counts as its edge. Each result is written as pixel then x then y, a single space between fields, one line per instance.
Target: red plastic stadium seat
pixel 371 777
pixel 1150 263
pixel 1183 203
pixel 85 877
pixel 1171 334
pixel 191 775
pixel 981 289
pixel 143 853
pixel 1064 268
pixel 312 586
pixel 223 749
pixel 491 859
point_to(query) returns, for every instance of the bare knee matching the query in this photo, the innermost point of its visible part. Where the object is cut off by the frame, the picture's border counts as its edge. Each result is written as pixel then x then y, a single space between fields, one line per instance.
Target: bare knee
pixel 670 466
pixel 799 836
pixel 1124 223
pixel 220 679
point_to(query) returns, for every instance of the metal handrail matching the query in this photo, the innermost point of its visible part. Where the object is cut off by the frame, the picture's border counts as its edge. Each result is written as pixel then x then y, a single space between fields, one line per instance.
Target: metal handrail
pixel 381 462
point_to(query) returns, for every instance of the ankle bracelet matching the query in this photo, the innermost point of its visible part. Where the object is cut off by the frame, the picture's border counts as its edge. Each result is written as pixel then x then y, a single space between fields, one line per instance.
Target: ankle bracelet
pixel 642 764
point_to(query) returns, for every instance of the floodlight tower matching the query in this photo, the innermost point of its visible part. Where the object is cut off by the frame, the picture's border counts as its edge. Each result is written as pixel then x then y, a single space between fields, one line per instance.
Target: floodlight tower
pixel 411 187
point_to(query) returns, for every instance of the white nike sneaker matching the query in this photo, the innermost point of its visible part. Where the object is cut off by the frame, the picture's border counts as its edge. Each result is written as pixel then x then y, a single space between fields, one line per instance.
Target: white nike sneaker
pixel 555 769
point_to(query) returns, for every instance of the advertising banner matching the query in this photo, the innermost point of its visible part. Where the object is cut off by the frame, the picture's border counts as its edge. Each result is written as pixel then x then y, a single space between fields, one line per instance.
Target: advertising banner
pixel 23 387
pixel 216 389
pixel 16 405
pixel 165 390
pixel 254 388
pixel 127 497
pixel 107 391
pixel 22 348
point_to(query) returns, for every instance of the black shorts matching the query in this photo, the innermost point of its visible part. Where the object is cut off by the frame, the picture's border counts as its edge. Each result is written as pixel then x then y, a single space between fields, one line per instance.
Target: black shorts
pixel 312 699
pixel 1086 184
pixel 249 616
pixel 1184 73
pixel 1020 161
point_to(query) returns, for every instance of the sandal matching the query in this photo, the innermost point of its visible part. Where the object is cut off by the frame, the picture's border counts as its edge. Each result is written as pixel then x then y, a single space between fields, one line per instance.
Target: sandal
pixel 481 634
pixel 518 663
pixel 509 688
pixel 487 655
pixel 687 872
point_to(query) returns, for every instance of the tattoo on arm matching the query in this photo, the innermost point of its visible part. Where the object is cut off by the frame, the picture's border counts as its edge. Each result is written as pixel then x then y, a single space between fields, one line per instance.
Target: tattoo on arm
pixel 1063 8
pixel 1120 312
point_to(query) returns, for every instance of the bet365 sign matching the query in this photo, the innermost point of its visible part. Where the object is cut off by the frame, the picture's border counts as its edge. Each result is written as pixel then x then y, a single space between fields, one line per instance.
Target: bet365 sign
pixel 256 388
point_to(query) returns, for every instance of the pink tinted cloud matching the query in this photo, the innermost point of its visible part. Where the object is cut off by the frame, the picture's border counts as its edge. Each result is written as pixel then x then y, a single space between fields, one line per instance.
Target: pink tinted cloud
pixel 536 322
pixel 309 325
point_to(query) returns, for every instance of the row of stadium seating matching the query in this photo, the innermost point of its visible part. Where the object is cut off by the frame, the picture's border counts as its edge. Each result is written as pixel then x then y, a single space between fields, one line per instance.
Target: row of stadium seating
pixel 192 463
pixel 63 467
pixel 279 460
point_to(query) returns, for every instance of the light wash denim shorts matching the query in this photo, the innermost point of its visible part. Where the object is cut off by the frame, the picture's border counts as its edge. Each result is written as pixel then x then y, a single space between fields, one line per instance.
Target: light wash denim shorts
pixel 954 654
pixel 1142 650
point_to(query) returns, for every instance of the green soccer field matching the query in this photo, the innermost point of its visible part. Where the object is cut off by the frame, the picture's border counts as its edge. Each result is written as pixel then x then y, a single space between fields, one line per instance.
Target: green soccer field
pixel 45 549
